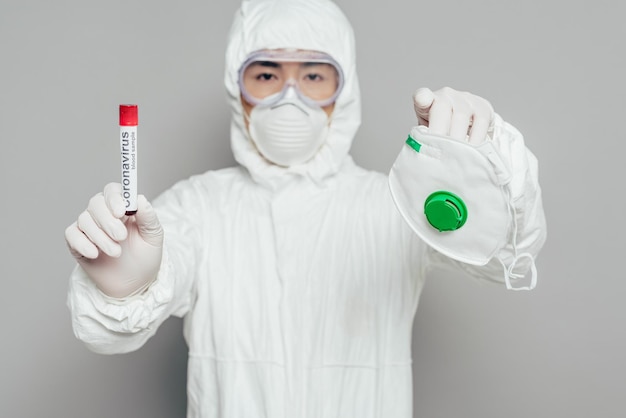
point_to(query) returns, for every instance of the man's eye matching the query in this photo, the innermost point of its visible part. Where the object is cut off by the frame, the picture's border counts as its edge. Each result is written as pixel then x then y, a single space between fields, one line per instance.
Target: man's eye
pixel 264 76
pixel 314 77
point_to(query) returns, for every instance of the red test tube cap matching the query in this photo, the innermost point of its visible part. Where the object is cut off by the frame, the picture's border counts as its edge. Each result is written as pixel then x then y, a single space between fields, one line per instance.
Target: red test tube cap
pixel 128 115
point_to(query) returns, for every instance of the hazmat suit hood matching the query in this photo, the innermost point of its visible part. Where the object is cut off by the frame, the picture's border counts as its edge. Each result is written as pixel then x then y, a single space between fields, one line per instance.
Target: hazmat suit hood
pixel 317 25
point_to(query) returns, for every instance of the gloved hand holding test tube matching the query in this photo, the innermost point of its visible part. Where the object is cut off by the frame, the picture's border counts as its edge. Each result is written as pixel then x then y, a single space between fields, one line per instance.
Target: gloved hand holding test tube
pixel 118 239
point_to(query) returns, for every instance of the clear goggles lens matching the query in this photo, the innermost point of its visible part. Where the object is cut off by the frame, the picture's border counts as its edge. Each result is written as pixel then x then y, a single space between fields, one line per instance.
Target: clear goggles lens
pixel 265 77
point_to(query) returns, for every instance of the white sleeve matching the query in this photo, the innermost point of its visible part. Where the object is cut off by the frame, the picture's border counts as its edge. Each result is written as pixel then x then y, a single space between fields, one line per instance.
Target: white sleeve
pixel 109 325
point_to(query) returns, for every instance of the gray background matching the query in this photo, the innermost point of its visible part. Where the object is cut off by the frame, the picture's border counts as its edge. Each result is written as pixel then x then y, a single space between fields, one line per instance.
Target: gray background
pixel 555 69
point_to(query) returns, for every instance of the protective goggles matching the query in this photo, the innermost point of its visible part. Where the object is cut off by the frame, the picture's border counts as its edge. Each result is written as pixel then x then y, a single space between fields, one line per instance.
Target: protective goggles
pixel 266 76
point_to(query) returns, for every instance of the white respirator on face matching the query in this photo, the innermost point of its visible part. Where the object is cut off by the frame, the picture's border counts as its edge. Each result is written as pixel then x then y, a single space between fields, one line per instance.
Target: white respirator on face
pixel 288 132
pixel 455 196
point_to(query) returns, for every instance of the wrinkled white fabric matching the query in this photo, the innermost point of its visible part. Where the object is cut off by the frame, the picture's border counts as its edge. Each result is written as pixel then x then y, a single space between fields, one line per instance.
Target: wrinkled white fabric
pixel 298 285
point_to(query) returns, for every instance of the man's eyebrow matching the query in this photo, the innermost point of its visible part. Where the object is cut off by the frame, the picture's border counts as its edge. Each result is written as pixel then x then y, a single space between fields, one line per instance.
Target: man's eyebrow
pixel 274 64
pixel 267 64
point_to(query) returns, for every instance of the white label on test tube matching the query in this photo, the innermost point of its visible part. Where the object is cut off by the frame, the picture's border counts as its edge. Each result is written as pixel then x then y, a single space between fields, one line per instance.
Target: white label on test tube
pixel 128 147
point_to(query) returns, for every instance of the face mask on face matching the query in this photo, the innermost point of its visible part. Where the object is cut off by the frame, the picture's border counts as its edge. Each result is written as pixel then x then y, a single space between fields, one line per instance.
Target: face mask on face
pixel 455 196
pixel 289 132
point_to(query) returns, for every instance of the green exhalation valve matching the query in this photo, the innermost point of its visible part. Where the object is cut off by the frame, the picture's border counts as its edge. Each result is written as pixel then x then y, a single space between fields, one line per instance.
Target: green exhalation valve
pixel 445 211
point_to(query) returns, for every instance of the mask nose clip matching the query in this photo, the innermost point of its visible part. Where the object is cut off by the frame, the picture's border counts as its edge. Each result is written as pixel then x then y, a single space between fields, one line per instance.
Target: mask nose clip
pixel 291 94
pixel 291 89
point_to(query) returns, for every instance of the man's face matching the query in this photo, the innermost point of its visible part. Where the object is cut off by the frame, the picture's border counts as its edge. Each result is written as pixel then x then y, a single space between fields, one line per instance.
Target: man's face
pixel 288 97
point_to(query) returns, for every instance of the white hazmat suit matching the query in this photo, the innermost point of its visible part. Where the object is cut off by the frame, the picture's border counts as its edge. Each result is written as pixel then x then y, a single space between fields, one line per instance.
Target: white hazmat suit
pixel 298 285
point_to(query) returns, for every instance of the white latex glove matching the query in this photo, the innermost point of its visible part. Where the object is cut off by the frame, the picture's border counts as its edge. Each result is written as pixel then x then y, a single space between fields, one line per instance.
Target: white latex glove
pixel 454 113
pixel 120 253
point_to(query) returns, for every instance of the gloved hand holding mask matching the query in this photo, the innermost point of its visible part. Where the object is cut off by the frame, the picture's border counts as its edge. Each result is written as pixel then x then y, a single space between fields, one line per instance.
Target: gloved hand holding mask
pixel 451 185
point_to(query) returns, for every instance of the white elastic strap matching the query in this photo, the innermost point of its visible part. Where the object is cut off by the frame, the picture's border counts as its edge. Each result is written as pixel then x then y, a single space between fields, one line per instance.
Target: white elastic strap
pixel 508 271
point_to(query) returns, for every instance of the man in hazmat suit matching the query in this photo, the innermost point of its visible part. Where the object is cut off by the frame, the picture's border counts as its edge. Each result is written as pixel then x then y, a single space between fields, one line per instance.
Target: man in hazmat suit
pixel 296 274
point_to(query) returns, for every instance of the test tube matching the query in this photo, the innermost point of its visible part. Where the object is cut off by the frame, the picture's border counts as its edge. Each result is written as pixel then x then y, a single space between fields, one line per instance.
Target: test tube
pixel 128 147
